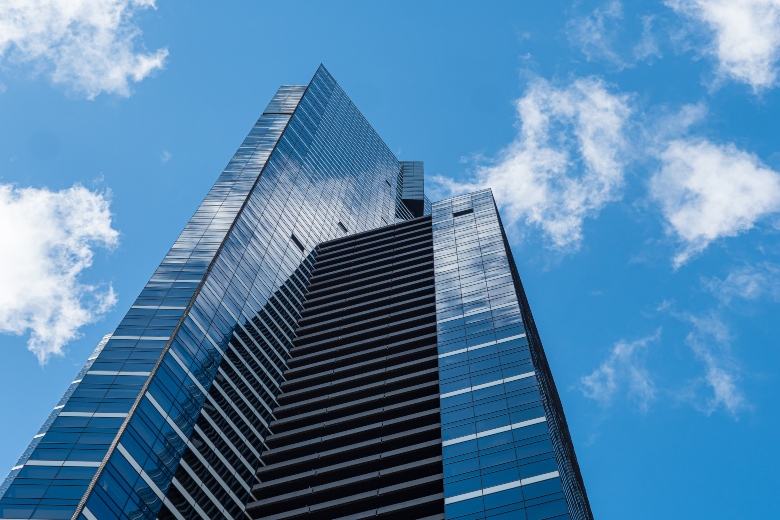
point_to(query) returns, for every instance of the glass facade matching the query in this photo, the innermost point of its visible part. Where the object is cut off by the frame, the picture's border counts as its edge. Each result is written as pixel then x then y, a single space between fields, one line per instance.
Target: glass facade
pixel 173 416
pixel 169 420
pixel 499 455
pixel 412 188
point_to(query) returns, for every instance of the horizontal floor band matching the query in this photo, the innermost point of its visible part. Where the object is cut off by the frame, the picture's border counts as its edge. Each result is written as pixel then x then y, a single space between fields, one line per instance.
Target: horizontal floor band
pixel 345 483
pixel 343 351
pixel 336 453
pixel 494 431
pixel 420 354
pixel 330 259
pixel 376 292
pixel 345 293
pixel 344 420
pixel 116 373
pixel 161 307
pixel 405 451
pixel 145 338
pixel 92 414
pixel 333 257
pixel 377 336
pixel 478 311
pixel 377 275
pixel 500 487
pixel 168 280
pixel 389 371
pixel 375 323
pixel 361 261
pixel 66 463
pixel 487 385
pixel 366 430
pixel 482 345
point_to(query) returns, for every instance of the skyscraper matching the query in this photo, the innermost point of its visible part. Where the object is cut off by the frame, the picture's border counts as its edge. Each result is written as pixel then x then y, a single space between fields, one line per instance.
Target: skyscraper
pixel 320 342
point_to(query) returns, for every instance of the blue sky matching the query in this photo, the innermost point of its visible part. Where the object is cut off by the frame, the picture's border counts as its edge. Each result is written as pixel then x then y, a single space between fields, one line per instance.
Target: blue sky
pixel 632 148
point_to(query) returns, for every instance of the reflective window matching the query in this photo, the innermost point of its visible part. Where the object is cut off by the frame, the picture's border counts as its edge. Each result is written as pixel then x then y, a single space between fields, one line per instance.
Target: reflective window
pixel 496 440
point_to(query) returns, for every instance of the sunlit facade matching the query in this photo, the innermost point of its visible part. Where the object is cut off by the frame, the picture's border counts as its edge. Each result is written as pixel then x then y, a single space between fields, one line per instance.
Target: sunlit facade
pixel 320 342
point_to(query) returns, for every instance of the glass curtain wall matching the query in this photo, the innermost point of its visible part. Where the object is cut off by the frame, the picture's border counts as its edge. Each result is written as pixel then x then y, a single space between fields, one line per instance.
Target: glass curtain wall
pixel 499 458
pixel 172 414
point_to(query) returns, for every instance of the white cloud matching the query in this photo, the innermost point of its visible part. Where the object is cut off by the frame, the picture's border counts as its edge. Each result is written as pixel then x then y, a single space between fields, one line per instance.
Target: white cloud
pixel 667 127
pixel 710 341
pixel 165 156
pixel 598 36
pixel 596 33
pixel 87 45
pixel 566 162
pixel 751 282
pixel 745 36
pixel 48 240
pixel 623 373
pixel 707 191
pixel 647 47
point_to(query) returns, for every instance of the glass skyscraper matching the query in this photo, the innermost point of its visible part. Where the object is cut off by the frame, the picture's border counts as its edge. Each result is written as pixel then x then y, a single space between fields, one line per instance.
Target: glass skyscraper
pixel 320 342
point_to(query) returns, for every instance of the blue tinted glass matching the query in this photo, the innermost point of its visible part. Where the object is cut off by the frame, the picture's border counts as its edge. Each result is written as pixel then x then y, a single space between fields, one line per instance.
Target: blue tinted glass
pixel 490 399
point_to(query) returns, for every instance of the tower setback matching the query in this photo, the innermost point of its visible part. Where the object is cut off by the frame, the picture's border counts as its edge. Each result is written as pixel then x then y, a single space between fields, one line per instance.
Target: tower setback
pixel 320 342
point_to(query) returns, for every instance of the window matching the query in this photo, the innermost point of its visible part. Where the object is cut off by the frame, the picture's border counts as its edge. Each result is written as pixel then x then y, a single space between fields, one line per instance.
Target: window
pixel 297 242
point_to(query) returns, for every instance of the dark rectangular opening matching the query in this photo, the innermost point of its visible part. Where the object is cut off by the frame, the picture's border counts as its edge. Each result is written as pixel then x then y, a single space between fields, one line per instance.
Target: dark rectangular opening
pixel 388 183
pixel 463 212
pixel 343 227
pixel 297 243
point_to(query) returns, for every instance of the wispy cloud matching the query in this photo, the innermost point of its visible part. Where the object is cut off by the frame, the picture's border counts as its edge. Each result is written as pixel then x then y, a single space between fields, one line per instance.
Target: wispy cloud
pixel 671 126
pixel 710 341
pixel 623 374
pixel 86 45
pixel 750 282
pixel 708 191
pixel 165 156
pixel 648 46
pixel 596 34
pixel 48 240
pixel 566 162
pixel 744 36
